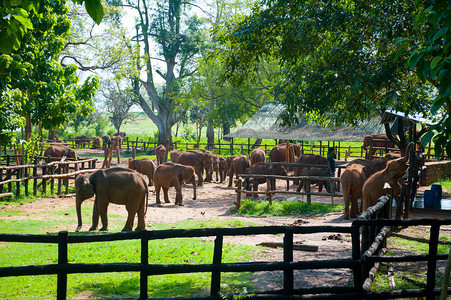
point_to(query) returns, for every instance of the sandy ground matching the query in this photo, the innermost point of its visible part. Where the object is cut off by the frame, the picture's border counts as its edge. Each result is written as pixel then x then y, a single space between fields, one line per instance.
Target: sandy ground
pixel 215 201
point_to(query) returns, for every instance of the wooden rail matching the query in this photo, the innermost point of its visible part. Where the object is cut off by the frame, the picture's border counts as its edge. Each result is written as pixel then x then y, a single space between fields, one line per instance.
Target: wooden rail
pixel 357 262
pixel 45 173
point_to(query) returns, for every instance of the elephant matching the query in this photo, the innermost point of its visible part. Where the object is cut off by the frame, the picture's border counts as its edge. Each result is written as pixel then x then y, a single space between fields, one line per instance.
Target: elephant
pixel 373 188
pixel 81 140
pixel 380 140
pixel 172 174
pixel 174 155
pixel 264 168
pixel 110 143
pixel 161 152
pixel 279 153
pixel 309 159
pixel 207 159
pixel 237 165
pixel 144 166
pixel 352 180
pixel 194 159
pixel 96 142
pixel 313 171
pixel 222 169
pixel 258 155
pixel 371 166
pixel 113 185
pixel 58 151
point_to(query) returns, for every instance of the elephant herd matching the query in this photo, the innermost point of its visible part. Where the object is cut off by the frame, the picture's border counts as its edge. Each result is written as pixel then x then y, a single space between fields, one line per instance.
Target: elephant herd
pixel 361 179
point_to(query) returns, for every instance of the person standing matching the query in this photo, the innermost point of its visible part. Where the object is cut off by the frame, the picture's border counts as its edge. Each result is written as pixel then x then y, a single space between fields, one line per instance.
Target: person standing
pixel 330 167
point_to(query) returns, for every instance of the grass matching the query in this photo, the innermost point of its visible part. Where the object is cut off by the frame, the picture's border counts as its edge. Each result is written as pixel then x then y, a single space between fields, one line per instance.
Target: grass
pixel 119 285
pixel 285 208
pixel 407 275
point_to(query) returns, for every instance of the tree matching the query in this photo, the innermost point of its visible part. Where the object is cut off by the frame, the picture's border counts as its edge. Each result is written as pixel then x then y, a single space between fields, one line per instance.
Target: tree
pixel 16 19
pixel 50 95
pixel 118 102
pixel 178 40
pixel 339 59
pixel 429 48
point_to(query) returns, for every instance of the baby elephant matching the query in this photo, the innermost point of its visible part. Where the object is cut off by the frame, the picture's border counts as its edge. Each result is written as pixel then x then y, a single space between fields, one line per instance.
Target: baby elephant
pixel 171 174
pixel 115 185
pixel 144 166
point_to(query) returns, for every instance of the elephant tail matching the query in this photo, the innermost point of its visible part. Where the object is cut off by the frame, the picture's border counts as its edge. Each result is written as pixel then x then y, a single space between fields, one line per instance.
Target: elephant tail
pixel 147 201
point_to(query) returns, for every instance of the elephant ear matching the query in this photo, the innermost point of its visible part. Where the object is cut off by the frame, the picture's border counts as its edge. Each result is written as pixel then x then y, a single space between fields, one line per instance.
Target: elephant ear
pixel 88 188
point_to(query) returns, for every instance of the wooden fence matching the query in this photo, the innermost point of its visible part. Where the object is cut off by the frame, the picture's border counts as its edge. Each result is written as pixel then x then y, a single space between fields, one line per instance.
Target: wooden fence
pixel 45 173
pixel 375 225
pixel 363 258
pixel 307 179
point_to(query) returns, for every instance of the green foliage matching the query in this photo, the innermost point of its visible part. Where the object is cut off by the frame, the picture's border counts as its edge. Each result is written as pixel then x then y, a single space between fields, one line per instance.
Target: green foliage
pixel 50 95
pixel 16 19
pixel 430 48
pixel 338 59
pixel 285 208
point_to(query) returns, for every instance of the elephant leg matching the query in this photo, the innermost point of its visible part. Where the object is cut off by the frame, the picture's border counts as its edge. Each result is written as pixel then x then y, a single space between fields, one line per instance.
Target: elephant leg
pixel 230 178
pixel 103 211
pixel 165 193
pixel 354 207
pixel 150 180
pixel 157 194
pixel 110 157
pixel 255 187
pixel 130 218
pixel 141 216
pixel 178 193
pixel 118 154
pixel 200 174
pixel 105 155
pixel 95 217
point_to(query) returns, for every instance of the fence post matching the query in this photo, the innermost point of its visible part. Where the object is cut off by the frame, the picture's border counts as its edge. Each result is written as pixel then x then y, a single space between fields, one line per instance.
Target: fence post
pixel 432 260
pixel 238 194
pixel 357 271
pixel 26 181
pixel 219 146
pixel 1 179
pixel 307 189
pixel 62 260
pixel 19 171
pixel 217 259
pixel 66 180
pixel 288 277
pixel 35 180
pixel 268 188
pixel 231 147
pixel 144 262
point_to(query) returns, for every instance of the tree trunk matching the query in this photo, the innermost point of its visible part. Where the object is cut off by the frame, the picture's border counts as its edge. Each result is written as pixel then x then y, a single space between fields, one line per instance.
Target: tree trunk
pixel 257 144
pixel 199 133
pixel 225 128
pixel 28 128
pixel 210 137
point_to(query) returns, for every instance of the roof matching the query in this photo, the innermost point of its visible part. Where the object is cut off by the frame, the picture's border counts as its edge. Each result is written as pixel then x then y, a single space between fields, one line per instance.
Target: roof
pixel 265 124
pixel 391 115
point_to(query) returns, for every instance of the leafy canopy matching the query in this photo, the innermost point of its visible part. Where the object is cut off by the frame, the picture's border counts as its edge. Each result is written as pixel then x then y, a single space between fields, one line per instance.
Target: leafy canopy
pixel 339 59
pixel 15 19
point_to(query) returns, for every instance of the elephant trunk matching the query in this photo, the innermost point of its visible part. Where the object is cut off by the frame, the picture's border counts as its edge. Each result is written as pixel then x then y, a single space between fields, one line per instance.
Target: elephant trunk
pixel 78 202
pixel 407 155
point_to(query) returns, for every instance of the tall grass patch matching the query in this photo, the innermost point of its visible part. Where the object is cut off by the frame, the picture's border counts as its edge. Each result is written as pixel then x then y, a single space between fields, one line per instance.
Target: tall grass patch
pixel 285 208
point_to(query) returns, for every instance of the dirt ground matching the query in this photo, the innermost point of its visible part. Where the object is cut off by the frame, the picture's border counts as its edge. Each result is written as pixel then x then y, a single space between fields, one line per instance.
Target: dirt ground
pixel 215 201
